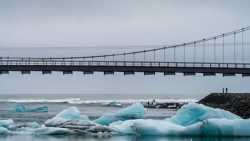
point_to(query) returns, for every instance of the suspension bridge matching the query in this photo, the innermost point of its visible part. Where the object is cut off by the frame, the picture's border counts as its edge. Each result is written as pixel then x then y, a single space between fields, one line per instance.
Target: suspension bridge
pixel 226 53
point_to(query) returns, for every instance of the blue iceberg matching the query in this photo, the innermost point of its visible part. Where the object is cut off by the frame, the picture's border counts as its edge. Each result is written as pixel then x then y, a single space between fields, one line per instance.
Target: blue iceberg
pixel 193 113
pixel 135 111
pixel 22 108
pixel 67 115
pixel 191 120
pixel 226 127
pixel 7 123
pixel 4 131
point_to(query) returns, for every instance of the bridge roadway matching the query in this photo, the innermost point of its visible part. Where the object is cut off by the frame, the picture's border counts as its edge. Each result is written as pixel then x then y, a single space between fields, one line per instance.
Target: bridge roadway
pixel 127 67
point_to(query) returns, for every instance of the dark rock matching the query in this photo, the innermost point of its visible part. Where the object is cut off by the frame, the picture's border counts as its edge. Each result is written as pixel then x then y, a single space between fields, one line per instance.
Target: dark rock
pixel 237 103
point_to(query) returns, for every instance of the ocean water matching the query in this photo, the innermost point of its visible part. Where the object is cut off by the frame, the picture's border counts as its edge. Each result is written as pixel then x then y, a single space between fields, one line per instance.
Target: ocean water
pixel 90 105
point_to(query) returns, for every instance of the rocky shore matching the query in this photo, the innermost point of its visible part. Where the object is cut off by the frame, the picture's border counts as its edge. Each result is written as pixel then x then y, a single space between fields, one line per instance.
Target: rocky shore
pixel 237 103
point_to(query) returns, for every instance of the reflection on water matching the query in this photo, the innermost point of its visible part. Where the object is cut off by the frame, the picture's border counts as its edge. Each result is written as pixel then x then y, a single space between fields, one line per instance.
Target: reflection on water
pixel 115 138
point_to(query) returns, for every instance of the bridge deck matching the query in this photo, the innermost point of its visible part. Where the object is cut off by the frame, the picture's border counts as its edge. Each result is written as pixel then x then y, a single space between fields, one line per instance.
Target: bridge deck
pixel 128 67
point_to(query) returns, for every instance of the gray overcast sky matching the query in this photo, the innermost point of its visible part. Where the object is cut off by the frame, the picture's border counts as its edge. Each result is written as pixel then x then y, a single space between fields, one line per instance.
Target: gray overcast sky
pixel 116 22
pixel 55 23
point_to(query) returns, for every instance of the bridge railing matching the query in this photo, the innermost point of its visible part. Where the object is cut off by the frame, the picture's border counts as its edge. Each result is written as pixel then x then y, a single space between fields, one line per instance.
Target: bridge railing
pixel 47 62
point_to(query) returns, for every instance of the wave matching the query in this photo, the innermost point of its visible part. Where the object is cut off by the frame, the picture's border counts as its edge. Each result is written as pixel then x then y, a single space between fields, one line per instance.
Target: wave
pixel 80 101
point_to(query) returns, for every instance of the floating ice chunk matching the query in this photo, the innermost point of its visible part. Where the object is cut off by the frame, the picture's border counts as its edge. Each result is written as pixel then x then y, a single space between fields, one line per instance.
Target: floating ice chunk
pixel 4 131
pixel 191 120
pixel 193 112
pixel 123 127
pixel 8 123
pixel 165 128
pixel 69 114
pixel 114 104
pixel 150 127
pixel 30 125
pixel 22 108
pixel 135 111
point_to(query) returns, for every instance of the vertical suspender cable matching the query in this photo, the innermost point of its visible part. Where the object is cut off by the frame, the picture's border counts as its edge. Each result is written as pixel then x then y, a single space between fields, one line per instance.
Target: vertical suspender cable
pixel 223 46
pixel 234 47
pixel 204 51
pixel 174 54
pixel 215 49
pixel 124 57
pixel 184 52
pixel 194 53
pixel 154 55
pixel 164 59
pixel 144 55
pixel 242 44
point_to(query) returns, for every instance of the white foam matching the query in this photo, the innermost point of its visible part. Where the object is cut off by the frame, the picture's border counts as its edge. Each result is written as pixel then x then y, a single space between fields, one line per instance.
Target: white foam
pixel 41 100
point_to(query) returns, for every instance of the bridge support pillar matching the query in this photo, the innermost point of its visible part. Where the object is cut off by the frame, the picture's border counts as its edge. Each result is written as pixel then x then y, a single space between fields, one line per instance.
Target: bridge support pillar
pixel 4 72
pixel 25 72
pixel 88 72
pixel 46 72
pixel 188 73
pixel 149 73
pixel 129 72
pixel 228 74
pixel 209 74
pixel 108 72
pixel 169 73
pixel 67 72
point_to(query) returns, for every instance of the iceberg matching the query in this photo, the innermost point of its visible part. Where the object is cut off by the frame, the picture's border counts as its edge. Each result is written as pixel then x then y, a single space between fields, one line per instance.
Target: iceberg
pixel 8 123
pixel 226 127
pixel 22 108
pixel 135 111
pixel 69 114
pixel 151 127
pixel 191 120
pixel 4 131
pixel 193 113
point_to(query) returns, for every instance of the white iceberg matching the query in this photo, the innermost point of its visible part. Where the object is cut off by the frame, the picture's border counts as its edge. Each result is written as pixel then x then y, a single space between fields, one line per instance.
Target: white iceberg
pixel 69 114
pixel 135 111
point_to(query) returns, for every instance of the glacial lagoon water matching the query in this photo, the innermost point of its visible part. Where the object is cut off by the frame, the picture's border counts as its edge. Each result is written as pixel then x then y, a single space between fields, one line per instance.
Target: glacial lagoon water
pixel 88 107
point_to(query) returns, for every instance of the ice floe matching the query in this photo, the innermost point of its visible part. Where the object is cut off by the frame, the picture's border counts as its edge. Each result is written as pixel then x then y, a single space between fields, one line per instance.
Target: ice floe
pixel 135 111
pixel 69 114
pixel 22 108
pixel 193 113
